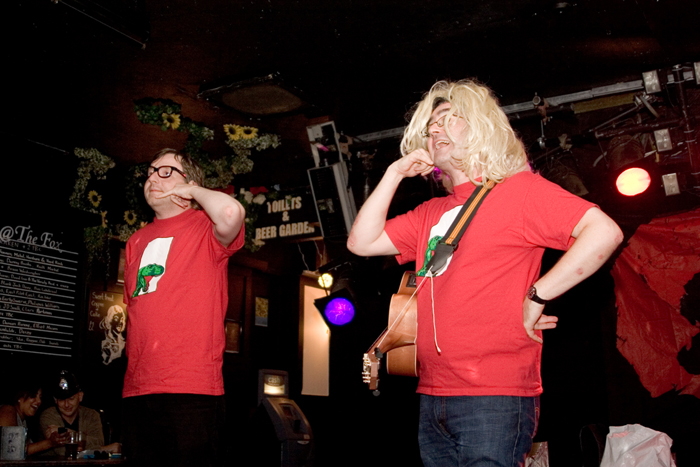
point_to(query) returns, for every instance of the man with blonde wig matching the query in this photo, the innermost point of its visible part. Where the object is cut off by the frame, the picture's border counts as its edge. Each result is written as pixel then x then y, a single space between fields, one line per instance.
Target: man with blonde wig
pixel 480 320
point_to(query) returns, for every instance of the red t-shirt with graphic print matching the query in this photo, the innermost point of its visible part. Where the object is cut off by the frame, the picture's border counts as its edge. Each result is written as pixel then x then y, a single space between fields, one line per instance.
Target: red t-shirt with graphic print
pixel 478 298
pixel 176 291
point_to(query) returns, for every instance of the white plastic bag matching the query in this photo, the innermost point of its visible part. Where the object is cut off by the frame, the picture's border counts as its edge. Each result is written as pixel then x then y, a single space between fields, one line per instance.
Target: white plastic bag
pixel 538 456
pixel 637 446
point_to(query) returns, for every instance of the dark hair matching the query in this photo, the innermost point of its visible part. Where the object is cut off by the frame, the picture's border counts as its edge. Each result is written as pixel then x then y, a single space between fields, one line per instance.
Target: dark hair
pixel 438 101
pixel 22 388
pixel 191 168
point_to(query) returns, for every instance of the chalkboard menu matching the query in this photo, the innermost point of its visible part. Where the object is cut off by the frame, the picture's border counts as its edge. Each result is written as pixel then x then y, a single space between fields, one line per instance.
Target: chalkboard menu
pixel 38 289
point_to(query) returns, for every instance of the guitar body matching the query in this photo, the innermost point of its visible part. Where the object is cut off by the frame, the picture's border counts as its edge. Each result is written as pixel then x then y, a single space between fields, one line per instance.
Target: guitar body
pixel 401 358
pixel 398 341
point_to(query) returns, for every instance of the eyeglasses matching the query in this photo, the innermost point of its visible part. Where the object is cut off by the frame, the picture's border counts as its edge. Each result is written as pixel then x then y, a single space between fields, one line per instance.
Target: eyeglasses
pixel 164 171
pixel 440 122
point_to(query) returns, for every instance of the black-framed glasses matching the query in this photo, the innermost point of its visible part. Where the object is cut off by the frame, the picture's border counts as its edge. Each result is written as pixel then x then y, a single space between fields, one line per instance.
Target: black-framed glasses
pixel 164 171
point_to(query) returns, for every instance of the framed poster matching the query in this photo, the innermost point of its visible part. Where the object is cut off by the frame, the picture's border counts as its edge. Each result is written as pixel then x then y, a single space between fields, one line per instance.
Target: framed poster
pixel 106 336
pixel 233 333
pixel 261 309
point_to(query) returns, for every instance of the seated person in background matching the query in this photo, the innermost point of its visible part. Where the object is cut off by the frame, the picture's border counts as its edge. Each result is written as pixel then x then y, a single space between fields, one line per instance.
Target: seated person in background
pixel 68 413
pixel 26 402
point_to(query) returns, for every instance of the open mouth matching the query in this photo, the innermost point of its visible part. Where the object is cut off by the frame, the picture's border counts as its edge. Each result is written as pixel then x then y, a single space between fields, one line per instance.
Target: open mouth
pixel 441 144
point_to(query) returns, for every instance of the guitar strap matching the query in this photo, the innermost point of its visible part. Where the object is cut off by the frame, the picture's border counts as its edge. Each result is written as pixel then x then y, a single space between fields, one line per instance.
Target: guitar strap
pixel 444 249
pixel 448 244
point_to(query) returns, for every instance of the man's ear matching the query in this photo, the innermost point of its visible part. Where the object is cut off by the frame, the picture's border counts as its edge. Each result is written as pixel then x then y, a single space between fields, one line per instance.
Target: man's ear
pixel 80 397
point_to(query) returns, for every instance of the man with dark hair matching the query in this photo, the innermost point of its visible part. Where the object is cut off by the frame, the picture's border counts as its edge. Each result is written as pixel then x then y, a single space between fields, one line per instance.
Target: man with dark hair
pixel 176 290
pixel 479 317
pixel 69 414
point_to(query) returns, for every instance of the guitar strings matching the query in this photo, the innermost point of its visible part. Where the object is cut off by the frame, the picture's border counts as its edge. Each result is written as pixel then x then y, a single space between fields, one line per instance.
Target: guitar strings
pixel 401 314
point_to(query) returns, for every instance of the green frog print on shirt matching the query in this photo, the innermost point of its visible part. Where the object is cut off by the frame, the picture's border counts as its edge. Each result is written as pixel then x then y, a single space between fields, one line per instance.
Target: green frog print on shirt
pixel 151 270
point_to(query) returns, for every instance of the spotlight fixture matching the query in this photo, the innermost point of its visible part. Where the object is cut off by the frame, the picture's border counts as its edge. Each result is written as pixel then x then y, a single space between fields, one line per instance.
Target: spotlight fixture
pixel 325 280
pixel 337 308
pixel 565 176
pixel 339 311
pixel 646 182
pixel 629 169
pixel 633 181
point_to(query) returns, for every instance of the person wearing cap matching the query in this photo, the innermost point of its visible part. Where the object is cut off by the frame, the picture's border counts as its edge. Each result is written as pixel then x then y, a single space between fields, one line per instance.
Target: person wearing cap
pixel 26 402
pixel 69 414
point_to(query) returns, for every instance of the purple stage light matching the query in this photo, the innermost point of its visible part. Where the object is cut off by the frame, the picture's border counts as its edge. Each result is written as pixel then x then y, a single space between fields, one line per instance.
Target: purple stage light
pixel 339 311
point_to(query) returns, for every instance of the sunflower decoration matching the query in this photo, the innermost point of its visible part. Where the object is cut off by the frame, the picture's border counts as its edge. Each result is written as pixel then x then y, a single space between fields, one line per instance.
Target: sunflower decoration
pixel 244 138
pixel 170 121
pixel 94 198
pixel 232 132
pixel 130 217
pixel 94 165
pixel 248 132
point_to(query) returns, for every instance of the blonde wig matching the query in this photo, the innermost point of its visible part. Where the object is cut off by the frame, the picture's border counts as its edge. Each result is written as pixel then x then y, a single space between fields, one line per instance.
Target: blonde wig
pixel 490 150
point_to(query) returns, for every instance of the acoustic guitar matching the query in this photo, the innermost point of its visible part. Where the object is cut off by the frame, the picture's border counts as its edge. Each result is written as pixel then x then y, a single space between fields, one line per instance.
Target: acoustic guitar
pixel 398 341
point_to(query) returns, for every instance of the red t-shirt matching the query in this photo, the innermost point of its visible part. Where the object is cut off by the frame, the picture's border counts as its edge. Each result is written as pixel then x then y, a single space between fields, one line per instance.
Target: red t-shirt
pixel 478 297
pixel 176 291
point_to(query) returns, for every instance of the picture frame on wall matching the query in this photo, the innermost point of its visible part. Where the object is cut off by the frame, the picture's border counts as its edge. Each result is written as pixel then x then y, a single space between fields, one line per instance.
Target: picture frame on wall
pixel 106 328
pixel 233 334
pixel 261 310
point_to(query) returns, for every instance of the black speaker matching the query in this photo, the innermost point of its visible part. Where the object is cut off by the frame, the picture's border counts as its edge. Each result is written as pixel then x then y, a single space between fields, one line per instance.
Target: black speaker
pixel 335 205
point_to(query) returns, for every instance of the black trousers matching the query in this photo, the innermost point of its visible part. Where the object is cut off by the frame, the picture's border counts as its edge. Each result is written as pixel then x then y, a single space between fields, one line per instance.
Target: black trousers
pixel 173 430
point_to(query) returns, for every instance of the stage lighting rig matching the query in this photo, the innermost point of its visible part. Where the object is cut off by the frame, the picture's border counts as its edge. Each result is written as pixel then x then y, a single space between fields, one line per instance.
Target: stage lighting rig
pixel 638 162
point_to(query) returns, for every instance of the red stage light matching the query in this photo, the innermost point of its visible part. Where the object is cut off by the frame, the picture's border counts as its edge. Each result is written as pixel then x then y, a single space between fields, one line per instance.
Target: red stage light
pixel 633 181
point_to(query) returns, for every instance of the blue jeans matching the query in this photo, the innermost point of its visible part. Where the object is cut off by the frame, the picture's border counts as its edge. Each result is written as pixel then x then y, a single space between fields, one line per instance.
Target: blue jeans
pixel 473 431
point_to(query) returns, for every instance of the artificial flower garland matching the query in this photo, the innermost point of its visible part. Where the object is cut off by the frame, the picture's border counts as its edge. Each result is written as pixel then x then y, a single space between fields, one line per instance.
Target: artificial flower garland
pixel 93 163
pixel 254 203
pixel 219 174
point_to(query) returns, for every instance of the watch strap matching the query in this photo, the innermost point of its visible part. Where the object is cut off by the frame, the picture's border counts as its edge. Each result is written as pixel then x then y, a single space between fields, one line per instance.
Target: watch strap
pixel 532 295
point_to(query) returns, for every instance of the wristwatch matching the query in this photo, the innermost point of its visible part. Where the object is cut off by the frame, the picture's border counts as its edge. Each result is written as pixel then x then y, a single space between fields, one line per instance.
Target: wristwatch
pixel 532 295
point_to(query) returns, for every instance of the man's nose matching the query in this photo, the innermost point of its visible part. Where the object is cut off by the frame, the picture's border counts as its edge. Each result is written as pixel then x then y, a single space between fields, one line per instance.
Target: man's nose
pixel 154 178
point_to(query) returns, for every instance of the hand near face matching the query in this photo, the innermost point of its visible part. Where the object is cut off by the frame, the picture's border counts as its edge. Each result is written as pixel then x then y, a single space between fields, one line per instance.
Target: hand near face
pixel 419 162
pixel 180 194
